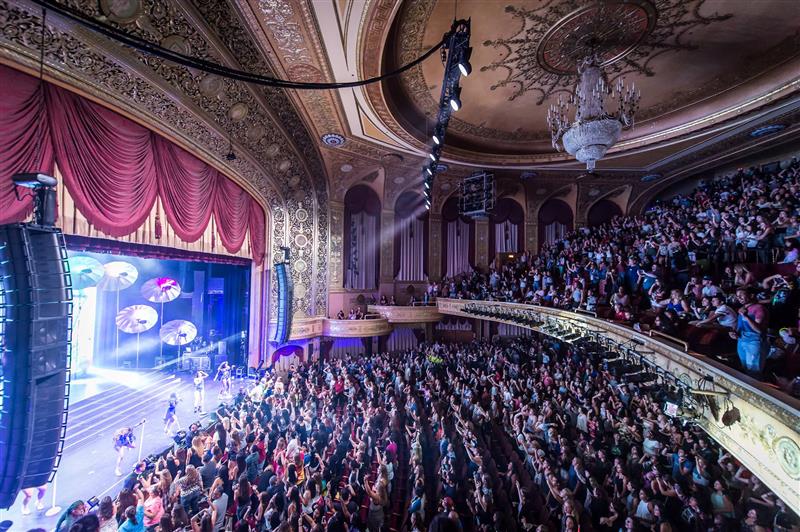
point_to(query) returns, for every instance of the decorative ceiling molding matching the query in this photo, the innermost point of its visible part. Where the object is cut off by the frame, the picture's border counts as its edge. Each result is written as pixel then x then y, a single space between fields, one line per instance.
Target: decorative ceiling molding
pixel 81 61
pixel 402 106
pixel 544 54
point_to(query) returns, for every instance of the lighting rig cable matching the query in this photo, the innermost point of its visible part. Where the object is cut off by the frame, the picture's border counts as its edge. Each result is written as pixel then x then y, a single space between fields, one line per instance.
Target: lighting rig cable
pixel 148 47
pixel 454 46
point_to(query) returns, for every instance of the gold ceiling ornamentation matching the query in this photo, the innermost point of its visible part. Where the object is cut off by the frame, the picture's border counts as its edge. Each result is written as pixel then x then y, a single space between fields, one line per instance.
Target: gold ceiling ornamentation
pixel 542 57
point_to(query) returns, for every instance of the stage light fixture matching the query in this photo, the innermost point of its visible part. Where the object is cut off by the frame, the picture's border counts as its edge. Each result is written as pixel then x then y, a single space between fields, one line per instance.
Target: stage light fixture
pixel 432 157
pixel 455 99
pixel 464 65
pixel 436 139
pixel 427 184
pixel 428 170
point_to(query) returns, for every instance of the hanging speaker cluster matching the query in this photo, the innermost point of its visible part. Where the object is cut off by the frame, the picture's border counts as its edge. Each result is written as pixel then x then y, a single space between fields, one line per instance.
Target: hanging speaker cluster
pixel 35 334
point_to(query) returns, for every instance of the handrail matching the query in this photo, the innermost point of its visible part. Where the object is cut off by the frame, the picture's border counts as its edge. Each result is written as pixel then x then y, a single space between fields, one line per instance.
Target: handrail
pixel 670 338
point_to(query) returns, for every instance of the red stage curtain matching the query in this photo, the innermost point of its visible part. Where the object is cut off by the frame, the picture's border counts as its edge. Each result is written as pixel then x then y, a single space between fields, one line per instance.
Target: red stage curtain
pixel 188 189
pixel 24 140
pixel 106 160
pixel 114 168
pixel 258 238
pixel 231 210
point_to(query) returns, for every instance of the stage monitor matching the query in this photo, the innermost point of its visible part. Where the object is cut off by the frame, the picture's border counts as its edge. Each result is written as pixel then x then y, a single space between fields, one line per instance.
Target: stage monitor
pixel 35 334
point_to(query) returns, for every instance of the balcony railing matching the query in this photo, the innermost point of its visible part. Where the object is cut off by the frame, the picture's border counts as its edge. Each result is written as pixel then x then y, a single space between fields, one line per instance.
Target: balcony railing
pixel 766 439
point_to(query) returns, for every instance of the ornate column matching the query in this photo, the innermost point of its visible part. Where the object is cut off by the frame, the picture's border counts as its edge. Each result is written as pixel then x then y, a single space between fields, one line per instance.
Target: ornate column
pixel 531 236
pixel 335 265
pixel 482 243
pixel 435 246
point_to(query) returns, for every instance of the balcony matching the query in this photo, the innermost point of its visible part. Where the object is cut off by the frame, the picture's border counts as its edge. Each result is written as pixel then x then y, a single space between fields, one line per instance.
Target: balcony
pixel 766 438
pixel 407 314
pixel 306 328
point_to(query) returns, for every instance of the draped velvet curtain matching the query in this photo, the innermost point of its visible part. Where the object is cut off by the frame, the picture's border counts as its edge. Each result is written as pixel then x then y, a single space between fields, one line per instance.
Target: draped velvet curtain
pixel 401 339
pixel 555 221
pixel 342 347
pixel 115 169
pixel 602 212
pixel 507 227
pixel 410 238
pixel 361 238
pixel 458 240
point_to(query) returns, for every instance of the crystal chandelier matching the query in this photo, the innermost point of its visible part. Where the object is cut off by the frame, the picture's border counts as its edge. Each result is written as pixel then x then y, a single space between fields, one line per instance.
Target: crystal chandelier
pixel 594 130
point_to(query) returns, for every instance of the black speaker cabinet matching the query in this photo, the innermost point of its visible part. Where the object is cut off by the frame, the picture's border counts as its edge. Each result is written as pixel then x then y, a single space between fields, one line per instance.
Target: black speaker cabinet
pixel 35 334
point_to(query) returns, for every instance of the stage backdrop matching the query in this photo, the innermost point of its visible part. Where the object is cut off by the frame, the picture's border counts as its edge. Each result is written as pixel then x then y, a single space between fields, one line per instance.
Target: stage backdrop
pixel 214 297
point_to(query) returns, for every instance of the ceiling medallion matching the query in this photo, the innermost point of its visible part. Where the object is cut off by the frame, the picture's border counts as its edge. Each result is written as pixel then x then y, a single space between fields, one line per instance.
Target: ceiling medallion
pixel 399 180
pixel 346 168
pixel 273 150
pixel 767 130
pixel 212 86
pixel 544 55
pixel 284 165
pixel 334 140
pixel 238 112
pixel 177 44
pixel 121 11
pixel 651 177
pixel 586 32
pixel 441 168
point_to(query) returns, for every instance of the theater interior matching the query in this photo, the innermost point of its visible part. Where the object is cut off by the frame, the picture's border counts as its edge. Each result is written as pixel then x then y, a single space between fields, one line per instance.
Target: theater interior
pixel 399 265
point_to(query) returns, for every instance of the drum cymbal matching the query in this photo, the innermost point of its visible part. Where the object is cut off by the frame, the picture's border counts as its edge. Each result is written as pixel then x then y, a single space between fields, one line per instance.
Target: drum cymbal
pixel 118 276
pixel 161 290
pixel 177 332
pixel 136 319
pixel 85 271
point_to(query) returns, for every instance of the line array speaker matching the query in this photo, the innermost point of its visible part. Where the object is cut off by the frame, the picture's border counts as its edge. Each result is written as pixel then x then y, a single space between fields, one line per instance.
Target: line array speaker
pixel 283 324
pixel 35 334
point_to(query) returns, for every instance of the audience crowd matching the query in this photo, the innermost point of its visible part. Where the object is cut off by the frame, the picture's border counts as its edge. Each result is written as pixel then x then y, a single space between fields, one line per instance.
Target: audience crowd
pixel 721 260
pixel 530 434
pixel 526 434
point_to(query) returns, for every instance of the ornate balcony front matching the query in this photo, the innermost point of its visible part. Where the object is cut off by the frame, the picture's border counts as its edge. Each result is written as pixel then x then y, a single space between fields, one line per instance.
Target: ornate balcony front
pixel 356 328
pixel 407 314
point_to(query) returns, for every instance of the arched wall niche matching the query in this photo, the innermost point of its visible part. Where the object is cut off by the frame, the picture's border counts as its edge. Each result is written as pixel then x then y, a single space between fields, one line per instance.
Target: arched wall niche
pixel 361 237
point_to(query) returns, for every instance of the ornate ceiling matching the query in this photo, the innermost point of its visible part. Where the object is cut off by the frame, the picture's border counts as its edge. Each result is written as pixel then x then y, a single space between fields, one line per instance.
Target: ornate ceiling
pixel 691 59
pixel 710 71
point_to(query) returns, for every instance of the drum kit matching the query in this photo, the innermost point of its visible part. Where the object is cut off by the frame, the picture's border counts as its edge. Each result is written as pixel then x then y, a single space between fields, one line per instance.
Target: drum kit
pixel 115 276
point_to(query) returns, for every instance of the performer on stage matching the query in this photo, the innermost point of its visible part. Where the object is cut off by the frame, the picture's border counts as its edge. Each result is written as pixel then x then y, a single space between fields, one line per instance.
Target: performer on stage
pixel 171 417
pixel 224 372
pixel 199 390
pixel 27 495
pixel 123 439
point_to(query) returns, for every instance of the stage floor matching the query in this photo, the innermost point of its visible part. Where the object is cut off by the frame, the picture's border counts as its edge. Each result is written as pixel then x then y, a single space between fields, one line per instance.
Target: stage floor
pixel 99 405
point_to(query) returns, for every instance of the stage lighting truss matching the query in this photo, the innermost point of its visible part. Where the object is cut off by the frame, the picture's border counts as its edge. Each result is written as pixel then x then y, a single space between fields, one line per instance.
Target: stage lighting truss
pixel 456 53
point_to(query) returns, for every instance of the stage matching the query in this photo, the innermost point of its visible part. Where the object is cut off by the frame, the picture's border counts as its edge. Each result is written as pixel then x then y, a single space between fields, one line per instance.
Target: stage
pixel 101 403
